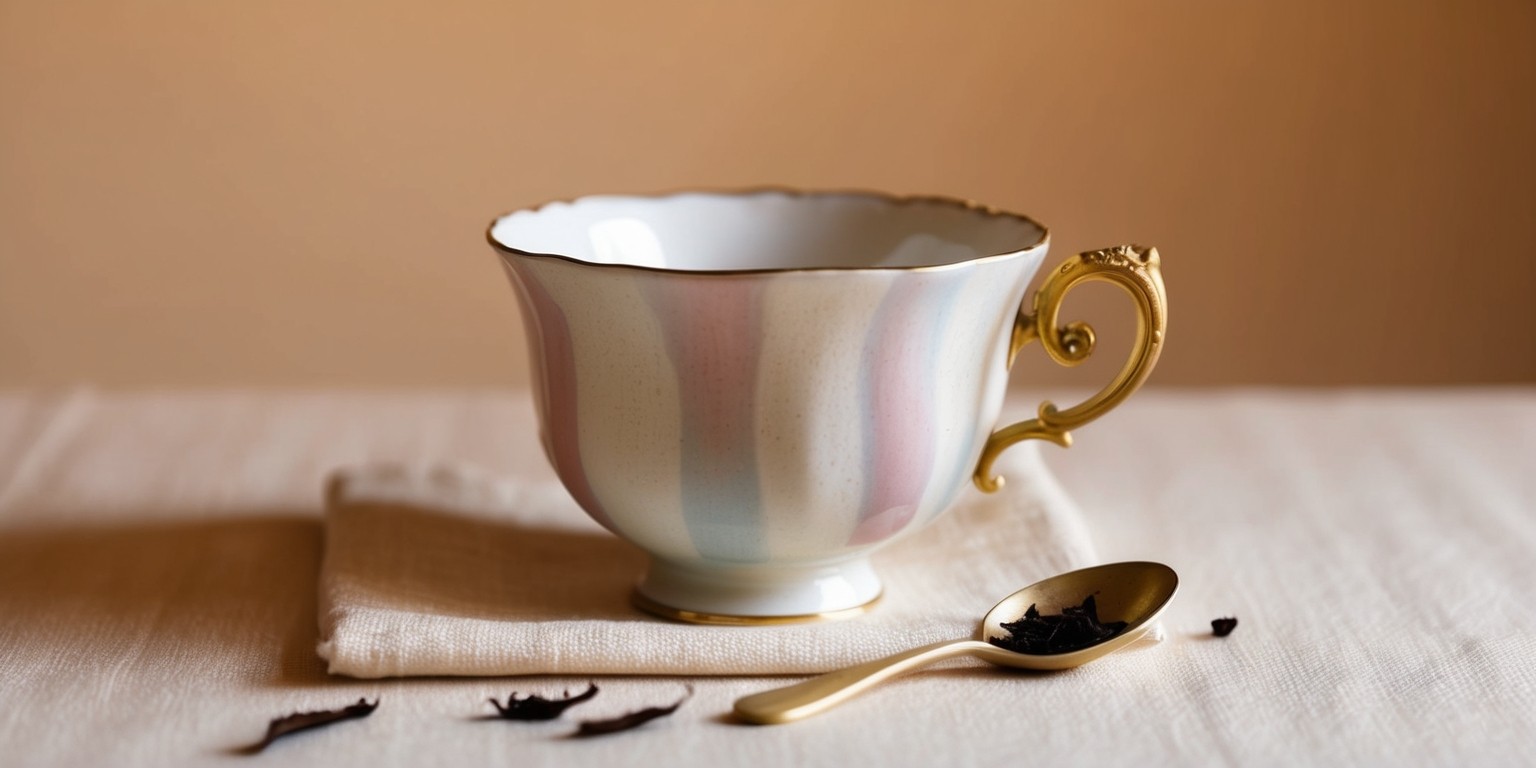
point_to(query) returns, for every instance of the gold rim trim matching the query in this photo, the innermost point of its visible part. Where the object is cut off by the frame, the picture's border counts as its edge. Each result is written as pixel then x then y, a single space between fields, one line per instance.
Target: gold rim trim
pixel 729 620
pixel 962 204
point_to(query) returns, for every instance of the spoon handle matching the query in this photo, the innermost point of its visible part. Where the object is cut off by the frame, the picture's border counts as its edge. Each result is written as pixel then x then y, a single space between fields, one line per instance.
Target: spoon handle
pixel 823 692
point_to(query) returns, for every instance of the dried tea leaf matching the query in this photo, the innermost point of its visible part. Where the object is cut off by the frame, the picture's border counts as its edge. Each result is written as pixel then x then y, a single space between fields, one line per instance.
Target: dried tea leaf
pixel 1223 627
pixel 533 707
pixel 631 720
pixel 303 721
pixel 1075 628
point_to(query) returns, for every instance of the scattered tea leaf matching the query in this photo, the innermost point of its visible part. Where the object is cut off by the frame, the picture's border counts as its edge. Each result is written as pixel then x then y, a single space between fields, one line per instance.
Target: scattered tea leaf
pixel 631 720
pixel 1223 627
pixel 533 707
pixel 302 721
pixel 1075 628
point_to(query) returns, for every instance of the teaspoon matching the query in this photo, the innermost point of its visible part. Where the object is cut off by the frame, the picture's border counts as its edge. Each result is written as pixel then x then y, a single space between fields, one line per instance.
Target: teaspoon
pixel 1132 592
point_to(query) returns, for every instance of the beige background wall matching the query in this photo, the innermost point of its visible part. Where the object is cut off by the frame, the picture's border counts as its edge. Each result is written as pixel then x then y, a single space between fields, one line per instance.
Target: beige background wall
pixel 293 193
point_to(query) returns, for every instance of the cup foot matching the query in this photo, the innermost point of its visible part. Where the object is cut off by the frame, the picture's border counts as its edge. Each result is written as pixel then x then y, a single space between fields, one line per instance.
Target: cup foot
pixel 755 596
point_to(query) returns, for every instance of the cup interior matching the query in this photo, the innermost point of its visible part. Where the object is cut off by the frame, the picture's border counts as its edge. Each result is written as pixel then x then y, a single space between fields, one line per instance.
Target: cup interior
pixel 768 230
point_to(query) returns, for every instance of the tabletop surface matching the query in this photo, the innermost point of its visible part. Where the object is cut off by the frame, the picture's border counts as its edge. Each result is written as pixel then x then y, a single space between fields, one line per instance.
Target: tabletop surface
pixel 159 554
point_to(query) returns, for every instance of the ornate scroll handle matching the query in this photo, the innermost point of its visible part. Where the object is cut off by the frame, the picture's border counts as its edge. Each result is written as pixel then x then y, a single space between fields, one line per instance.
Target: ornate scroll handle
pixel 1132 267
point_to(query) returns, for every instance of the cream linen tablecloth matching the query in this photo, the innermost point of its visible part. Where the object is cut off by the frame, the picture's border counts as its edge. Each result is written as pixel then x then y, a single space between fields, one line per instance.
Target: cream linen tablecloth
pixel 159 553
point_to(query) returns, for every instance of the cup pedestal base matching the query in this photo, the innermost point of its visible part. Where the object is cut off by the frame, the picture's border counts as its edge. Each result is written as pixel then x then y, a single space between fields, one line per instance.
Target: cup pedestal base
pixel 757 595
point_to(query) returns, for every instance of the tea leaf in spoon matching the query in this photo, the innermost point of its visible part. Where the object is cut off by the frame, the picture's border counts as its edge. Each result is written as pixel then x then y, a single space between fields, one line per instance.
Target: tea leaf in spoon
pixel 1075 628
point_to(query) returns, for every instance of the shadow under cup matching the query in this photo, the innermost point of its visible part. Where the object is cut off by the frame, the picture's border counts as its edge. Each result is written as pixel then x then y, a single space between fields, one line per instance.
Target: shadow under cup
pixel 759 389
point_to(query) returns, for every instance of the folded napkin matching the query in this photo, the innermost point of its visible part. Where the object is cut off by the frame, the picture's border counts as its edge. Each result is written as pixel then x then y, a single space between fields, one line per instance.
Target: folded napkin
pixel 450 571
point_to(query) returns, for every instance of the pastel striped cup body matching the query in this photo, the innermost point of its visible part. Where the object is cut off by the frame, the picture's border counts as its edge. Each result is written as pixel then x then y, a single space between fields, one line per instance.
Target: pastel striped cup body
pixel 760 431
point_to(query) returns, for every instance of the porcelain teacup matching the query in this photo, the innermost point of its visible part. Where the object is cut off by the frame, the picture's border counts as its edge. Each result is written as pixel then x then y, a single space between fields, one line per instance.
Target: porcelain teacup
pixel 761 388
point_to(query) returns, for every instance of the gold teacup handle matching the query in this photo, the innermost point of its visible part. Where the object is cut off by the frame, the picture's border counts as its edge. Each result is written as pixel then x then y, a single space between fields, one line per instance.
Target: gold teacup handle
pixel 1131 267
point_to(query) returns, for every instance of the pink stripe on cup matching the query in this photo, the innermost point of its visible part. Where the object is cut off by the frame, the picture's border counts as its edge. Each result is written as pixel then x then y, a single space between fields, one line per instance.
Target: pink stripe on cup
pixel 901 358
pixel 554 380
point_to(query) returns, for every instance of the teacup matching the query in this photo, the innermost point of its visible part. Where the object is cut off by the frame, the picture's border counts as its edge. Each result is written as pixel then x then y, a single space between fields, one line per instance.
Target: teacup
pixel 759 389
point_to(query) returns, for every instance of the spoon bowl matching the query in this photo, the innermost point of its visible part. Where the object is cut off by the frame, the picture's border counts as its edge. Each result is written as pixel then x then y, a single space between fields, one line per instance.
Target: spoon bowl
pixel 1133 592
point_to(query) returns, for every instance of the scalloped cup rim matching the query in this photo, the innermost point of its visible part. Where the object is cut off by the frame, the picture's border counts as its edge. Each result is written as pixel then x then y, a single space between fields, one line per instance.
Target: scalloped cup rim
pixel 983 212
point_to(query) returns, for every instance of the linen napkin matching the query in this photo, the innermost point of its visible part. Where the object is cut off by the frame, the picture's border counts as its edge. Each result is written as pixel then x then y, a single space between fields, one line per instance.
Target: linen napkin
pixel 452 571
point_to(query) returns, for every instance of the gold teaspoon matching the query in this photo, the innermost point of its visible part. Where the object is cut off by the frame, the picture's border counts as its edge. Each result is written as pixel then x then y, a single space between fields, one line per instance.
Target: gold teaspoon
pixel 1133 592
